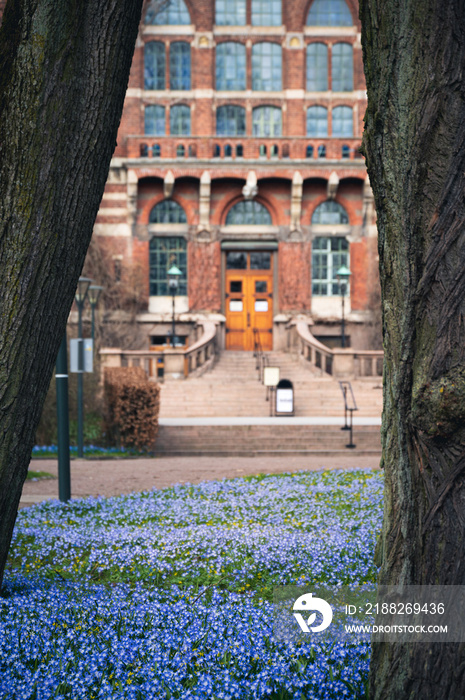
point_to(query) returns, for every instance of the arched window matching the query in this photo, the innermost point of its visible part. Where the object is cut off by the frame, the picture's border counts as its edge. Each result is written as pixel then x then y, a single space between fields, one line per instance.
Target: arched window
pixel 239 151
pixel 165 252
pixel 317 67
pixel 216 151
pixel 317 121
pixel 167 212
pixel 180 120
pixel 230 121
pixel 266 121
pixel 266 13
pixel 143 150
pixel 274 151
pixel 156 150
pixel 228 151
pixel 329 13
pixel 180 151
pixel 266 66
pixel 328 255
pixel 321 151
pixel 154 65
pixel 175 12
pixel 154 120
pixel 230 66
pixel 345 151
pixel 248 212
pixel 309 152
pixel 342 69
pixel 330 212
pixel 262 151
pixel 343 121
pixel 230 12
pixel 180 65
pixel 192 151
pixel 285 151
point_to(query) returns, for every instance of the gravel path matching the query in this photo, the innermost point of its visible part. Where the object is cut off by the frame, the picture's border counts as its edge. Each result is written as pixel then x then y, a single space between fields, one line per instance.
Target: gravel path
pixel 114 477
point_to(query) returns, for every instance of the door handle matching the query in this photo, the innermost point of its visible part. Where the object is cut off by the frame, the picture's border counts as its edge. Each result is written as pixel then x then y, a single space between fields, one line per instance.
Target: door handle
pixel 248 319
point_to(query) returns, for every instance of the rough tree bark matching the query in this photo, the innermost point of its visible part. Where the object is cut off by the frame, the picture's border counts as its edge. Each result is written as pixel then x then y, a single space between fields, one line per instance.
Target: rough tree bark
pixel 414 53
pixel 64 67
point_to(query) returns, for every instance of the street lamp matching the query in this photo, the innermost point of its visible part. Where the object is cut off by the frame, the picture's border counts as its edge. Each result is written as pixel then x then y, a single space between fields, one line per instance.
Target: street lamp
pixel 93 295
pixel 342 276
pixel 173 282
pixel 80 297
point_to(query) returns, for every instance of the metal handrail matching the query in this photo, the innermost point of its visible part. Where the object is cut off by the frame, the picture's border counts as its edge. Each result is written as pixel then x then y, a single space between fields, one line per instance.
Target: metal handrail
pixel 262 359
pixel 349 405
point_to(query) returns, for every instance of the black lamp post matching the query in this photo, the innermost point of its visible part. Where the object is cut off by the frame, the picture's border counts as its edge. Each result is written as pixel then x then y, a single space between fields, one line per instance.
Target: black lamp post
pixel 93 295
pixel 342 276
pixel 173 282
pixel 80 297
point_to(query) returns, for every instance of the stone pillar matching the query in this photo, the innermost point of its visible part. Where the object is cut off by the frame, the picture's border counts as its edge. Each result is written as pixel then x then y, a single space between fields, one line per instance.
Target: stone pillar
pixel 132 185
pixel 296 201
pixel 333 184
pixel 204 201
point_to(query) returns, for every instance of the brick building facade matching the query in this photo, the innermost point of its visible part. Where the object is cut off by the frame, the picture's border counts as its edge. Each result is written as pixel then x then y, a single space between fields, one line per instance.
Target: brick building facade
pixel 237 160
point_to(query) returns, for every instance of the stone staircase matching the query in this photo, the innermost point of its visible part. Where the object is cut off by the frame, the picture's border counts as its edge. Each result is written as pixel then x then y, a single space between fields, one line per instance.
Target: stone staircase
pixel 232 388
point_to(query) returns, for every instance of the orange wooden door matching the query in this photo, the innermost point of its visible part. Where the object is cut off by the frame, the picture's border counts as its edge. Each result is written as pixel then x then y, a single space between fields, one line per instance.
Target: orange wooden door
pixel 249 305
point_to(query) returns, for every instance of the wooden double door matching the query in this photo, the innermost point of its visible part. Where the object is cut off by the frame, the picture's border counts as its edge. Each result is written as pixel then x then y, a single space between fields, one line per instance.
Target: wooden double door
pixel 249 304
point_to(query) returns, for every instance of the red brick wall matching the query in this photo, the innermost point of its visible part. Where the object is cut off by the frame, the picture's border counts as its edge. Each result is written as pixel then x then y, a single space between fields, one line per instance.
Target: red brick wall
pixel 204 276
pixel 294 275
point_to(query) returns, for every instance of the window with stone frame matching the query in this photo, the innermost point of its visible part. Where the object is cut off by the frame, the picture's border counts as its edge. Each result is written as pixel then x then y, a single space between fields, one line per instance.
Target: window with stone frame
pixel 317 121
pixel 180 65
pixel 266 13
pixel 343 121
pixel 174 12
pixel 167 212
pixel 342 68
pixel 230 120
pixel 230 66
pixel 180 120
pixel 317 67
pixel 329 13
pixel 154 65
pixel 267 67
pixel 330 212
pixel 328 255
pixel 248 212
pixel 230 12
pixel 266 121
pixel 154 122
pixel 164 252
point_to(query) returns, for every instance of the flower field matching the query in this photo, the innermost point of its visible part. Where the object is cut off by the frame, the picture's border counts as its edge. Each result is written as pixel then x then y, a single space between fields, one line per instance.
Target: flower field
pixel 167 594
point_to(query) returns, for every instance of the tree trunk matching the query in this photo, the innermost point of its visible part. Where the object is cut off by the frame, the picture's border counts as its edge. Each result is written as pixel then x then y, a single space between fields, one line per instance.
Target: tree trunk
pixel 414 53
pixel 64 67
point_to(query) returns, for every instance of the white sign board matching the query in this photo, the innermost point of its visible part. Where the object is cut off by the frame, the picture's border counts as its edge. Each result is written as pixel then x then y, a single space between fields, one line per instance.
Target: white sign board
pixel 261 305
pixel 271 376
pixel 88 355
pixel 235 305
pixel 284 401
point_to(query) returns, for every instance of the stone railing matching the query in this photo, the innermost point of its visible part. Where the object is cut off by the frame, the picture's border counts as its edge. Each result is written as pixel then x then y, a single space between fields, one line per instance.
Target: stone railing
pixel 339 362
pixel 172 363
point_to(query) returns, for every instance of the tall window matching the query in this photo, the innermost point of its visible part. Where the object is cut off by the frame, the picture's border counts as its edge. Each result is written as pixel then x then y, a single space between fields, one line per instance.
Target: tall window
pixel 163 253
pixel 317 67
pixel 167 212
pixel 328 255
pixel 342 69
pixel 180 120
pixel 317 121
pixel 248 212
pixel 343 121
pixel 266 66
pixel 329 13
pixel 266 13
pixel 175 12
pixel 230 66
pixel 230 12
pixel 230 121
pixel 266 121
pixel 154 120
pixel 330 212
pixel 180 66
pixel 154 65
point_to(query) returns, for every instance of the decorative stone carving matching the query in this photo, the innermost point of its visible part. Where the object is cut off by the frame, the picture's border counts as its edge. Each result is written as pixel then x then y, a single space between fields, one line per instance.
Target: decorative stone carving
pixel 250 189
pixel 333 184
pixel 168 185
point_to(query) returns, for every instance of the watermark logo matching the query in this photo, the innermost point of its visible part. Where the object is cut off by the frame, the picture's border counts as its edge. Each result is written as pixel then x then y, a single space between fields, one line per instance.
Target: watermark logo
pixel 307 603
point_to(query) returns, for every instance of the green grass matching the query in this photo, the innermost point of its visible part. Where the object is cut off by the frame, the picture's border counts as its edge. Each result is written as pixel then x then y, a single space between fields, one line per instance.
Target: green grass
pixel 38 476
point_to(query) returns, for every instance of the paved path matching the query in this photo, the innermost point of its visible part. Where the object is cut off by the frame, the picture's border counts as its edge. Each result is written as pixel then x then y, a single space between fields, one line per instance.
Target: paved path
pixel 91 477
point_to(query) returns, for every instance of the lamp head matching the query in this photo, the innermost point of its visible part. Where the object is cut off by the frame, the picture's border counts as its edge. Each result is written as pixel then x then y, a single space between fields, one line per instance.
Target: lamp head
pixel 93 294
pixel 173 276
pixel 81 291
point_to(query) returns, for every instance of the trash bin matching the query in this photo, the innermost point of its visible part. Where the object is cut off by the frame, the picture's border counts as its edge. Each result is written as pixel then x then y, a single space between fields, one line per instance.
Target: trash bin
pixel 284 398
